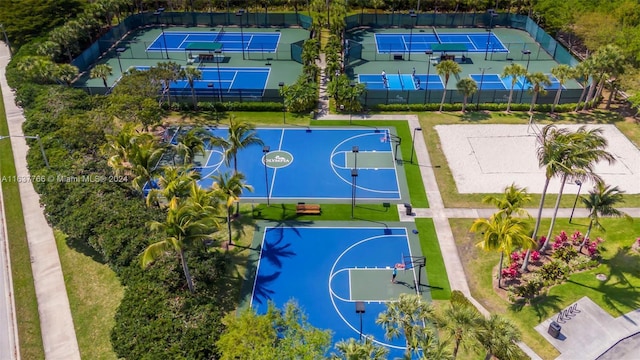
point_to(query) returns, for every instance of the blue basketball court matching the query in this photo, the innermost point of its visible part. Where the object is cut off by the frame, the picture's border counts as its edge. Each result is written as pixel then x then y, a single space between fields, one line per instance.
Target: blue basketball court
pixel 419 42
pixel 231 41
pixel 402 81
pixel 495 82
pixel 327 269
pixel 313 163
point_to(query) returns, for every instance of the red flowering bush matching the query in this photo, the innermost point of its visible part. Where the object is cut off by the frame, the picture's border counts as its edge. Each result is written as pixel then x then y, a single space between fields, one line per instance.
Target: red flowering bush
pixel 535 255
pixel 592 247
pixel 576 238
pixel 515 257
pixel 511 272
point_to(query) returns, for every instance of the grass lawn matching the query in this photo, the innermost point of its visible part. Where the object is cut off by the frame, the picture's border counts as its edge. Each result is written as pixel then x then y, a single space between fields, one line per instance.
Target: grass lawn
pixel 94 295
pixel 29 334
pixel 436 272
pixel 617 296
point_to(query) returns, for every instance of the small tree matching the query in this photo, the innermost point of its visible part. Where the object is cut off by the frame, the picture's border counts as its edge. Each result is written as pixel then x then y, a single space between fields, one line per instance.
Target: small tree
pixel 467 87
pixel 447 68
pixel 101 71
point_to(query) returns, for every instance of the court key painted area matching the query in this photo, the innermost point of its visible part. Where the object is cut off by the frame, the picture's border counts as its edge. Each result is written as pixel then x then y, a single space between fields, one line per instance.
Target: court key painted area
pixel 314 163
pixel 488 158
pixel 402 81
pixel 328 269
pixel 230 41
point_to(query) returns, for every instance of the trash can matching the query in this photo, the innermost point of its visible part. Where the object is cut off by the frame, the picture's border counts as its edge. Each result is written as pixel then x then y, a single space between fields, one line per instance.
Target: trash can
pixel 409 209
pixel 554 329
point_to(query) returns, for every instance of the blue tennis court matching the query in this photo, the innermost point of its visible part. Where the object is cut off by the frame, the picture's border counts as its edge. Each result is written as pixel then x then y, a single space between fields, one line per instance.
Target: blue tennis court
pixel 418 43
pixel 327 269
pixel 401 81
pixel 495 82
pixel 231 41
pixel 313 163
pixel 226 81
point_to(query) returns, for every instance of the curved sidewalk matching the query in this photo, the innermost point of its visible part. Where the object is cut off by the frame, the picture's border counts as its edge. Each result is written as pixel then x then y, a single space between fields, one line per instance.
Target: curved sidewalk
pixel 56 324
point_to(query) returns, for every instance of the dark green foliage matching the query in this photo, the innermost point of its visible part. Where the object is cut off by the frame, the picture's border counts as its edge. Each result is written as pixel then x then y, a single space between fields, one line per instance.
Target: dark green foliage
pixel 565 253
pixel 529 288
pixel 554 271
pixel 233 106
pixel 485 106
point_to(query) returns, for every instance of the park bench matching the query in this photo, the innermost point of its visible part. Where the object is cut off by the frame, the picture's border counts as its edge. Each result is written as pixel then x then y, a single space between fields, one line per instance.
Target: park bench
pixel 308 209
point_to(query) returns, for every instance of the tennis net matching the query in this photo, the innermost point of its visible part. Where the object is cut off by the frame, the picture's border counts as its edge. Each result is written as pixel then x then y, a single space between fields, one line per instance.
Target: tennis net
pixel 400 77
pixel 437 36
pixel 219 36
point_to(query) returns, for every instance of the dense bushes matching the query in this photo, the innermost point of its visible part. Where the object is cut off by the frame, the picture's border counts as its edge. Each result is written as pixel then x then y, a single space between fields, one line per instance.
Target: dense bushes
pixel 484 106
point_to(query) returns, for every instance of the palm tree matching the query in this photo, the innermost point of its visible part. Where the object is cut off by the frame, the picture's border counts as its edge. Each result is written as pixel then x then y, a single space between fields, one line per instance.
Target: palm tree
pixel 407 317
pixel 427 346
pixel 229 188
pixel 65 73
pixel 583 73
pixel 512 201
pixel 563 73
pixel 538 81
pixel 499 336
pixel 467 87
pixel 167 72
pixel 101 71
pixel 600 202
pixel 191 73
pixel 192 143
pixel 504 234
pixel 584 149
pixel 355 350
pixel 516 71
pixel 144 161
pixel 241 135
pixel 553 145
pixel 183 228
pixel 460 322
pixel 446 68
pixel 174 182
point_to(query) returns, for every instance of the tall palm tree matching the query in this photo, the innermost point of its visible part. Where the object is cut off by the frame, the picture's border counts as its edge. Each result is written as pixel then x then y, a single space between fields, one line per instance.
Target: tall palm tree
pixel 144 161
pixel 240 135
pixel 359 350
pixel 585 149
pixel 600 202
pixel 467 87
pixel 447 68
pixel 538 81
pixel 101 71
pixel 504 234
pixel 582 73
pixel 192 143
pixel 460 322
pixel 182 229
pixel 191 73
pixel 563 73
pixel 229 188
pixel 173 182
pixel 498 336
pixel 427 346
pixel 407 317
pixel 167 72
pixel 516 71
pixel 552 149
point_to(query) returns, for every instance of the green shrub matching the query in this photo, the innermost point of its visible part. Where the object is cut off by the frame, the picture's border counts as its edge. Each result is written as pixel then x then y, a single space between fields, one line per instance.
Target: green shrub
pixel 582 262
pixel 472 107
pixel 565 253
pixel 554 271
pixel 530 288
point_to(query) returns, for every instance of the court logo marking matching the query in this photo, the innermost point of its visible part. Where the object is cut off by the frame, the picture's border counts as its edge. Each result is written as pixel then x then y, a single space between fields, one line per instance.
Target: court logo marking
pixel 277 159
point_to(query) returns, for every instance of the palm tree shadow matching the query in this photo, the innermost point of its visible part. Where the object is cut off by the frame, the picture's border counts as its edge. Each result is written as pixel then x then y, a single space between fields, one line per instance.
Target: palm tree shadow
pixel 544 305
pixel 262 292
pixel 273 251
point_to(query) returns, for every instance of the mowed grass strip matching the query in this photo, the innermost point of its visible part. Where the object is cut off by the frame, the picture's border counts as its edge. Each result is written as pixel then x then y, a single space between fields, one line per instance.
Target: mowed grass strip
pixel 94 295
pixel 30 337
pixel 436 271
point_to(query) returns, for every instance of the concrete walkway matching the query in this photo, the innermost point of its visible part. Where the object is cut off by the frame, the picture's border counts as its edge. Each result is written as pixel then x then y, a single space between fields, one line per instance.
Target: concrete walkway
pixel 56 323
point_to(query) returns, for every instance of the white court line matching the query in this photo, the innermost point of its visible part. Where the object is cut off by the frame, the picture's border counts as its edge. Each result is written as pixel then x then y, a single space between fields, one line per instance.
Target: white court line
pixel 350 295
pixel 232 81
pixel 471 42
pixel 183 41
pixel 255 278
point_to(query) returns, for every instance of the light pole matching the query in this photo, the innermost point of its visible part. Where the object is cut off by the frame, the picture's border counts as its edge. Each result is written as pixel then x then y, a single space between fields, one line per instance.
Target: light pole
pixel 413 15
pixel 426 86
pixel 413 140
pixel 480 88
pixel 239 14
pixel 528 53
pixel 579 183
pixel 6 39
pixel 355 150
pixel 37 137
pixel 217 55
pixel 354 175
pixel 284 109
pixel 492 14
pixel 157 13
pixel 265 151
pixel 118 52
pixel 360 311
pixel 353 86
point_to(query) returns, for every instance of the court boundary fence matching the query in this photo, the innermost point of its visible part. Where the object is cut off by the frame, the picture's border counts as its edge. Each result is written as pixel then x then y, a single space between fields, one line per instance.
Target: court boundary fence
pixel 108 41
